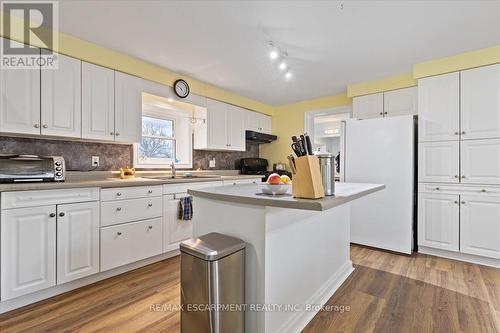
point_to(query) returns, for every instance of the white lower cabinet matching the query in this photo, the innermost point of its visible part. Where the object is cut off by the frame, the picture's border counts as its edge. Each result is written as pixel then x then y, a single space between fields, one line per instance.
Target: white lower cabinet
pixel 480 225
pixel 28 250
pixel 175 230
pixel 438 221
pixel 129 242
pixel 77 241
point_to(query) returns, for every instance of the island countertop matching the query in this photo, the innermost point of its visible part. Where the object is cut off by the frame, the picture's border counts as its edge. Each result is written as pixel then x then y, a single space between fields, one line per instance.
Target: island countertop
pixel 251 194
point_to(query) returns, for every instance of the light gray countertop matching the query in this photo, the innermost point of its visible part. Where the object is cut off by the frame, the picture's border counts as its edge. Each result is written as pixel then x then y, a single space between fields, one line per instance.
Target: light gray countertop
pixel 251 194
pixel 113 182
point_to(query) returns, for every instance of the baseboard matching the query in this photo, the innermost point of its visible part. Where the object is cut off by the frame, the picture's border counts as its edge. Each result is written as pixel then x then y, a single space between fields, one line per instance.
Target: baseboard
pixel 321 296
pixel 28 299
pixel 460 256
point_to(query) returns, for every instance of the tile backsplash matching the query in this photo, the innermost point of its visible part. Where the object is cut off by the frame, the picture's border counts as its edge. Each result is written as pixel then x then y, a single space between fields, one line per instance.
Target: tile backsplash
pixel 112 156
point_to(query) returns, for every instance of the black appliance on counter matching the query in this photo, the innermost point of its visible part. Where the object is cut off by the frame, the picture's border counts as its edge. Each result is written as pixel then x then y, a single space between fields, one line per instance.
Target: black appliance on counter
pixel 258 166
pixel 258 137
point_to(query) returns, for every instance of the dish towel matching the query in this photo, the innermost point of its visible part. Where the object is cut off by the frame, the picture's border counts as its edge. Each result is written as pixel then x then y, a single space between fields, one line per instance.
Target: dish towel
pixel 186 208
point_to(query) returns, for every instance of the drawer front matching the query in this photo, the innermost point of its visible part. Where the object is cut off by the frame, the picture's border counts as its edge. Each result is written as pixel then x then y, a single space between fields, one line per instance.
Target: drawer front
pixel 126 243
pixel 116 212
pixel 125 193
pixel 183 188
pixel 459 189
pixel 21 199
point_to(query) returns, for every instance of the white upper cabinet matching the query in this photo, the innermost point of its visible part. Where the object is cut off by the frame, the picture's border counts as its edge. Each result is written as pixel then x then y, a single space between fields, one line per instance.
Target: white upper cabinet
pixel 438 162
pixel 28 250
pixel 438 221
pixel 480 225
pixel 77 241
pixel 224 128
pixel 480 102
pixel 217 125
pixel 257 122
pixel 98 106
pixel 438 108
pixel 128 107
pixel 20 100
pixel 236 128
pixel 480 161
pixel 400 102
pixel 61 103
pixel 368 106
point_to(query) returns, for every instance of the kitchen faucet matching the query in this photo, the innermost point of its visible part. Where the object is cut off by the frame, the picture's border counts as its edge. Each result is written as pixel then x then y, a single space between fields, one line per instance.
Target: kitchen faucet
pixel 172 166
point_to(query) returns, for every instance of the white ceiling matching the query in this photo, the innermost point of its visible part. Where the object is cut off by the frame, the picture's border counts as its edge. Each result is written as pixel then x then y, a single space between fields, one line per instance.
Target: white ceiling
pixel 225 42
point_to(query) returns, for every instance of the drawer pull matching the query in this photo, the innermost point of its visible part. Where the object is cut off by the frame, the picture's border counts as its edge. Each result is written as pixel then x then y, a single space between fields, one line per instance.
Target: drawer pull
pixel 150 205
pixel 118 194
pixel 150 227
pixel 150 191
pixel 118 209
pixel 52 215
pixel 119 233
pixel 61 214
pixel 437 188
pixel 483 190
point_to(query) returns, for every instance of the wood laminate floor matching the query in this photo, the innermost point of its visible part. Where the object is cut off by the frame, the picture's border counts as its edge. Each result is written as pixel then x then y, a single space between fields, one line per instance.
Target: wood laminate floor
pixel 386 293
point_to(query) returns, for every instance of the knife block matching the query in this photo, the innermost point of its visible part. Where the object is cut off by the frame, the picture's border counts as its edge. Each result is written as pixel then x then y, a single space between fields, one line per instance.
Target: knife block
pixel 307 182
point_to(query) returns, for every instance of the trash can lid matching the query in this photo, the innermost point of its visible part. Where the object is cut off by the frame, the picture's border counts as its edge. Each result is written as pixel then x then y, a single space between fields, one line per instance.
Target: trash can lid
pixel 212 246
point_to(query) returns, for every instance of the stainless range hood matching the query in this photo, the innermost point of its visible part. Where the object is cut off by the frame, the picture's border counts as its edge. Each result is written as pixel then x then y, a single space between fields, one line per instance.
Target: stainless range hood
pixel 258 137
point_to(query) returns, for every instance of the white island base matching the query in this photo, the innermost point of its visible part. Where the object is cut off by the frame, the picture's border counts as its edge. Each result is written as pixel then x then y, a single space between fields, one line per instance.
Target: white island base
pixel 295 258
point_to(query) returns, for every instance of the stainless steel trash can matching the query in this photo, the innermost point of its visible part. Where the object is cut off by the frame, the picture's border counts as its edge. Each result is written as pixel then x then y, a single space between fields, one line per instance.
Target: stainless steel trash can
pixel 213 284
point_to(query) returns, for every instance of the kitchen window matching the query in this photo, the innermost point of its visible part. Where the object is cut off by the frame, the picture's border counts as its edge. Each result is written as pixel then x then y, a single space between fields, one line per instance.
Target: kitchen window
pixel 166 135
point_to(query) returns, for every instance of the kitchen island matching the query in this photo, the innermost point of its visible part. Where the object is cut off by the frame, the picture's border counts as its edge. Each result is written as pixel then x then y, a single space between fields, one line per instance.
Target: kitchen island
pixel 297 252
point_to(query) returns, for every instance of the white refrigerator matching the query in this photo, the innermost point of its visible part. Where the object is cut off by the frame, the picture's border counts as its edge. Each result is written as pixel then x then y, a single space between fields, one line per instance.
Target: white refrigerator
pixel 382 151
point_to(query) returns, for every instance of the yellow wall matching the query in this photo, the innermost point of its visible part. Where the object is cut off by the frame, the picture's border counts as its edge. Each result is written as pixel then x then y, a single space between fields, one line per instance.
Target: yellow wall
pixel 478 58
pixel 288 120
pixel 386 84
pixel 90 52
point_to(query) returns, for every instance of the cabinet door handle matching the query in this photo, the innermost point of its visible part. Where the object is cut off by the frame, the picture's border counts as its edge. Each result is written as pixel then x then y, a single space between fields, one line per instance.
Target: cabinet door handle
pixel 117 134
pixel 112 133
pixel 463 132
pixel 118 209
pixel 456 202
pixel 45 126
pixel 52 215
pixel 462 203
pixel 463 177
pixel 150 205
pixel 456 176
pixel 150 191
pixel 483 190
pixel 437 188
pixel 119 233
pixel 385 113
pixel 381 113
pixel 36 125
pixel 150 227
pixel 61 214
pixel 118 194
pixel 457 133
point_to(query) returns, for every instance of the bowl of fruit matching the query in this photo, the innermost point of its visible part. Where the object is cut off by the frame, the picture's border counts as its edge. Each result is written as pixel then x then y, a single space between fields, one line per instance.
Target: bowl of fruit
pixel 277 184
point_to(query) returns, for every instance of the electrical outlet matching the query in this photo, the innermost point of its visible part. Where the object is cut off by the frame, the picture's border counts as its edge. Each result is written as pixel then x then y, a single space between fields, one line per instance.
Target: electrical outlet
pixel 95 161
pixel 211 163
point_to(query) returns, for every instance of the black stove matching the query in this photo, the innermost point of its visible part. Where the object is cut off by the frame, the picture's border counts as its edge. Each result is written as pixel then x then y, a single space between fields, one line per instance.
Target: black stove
pixel 258 166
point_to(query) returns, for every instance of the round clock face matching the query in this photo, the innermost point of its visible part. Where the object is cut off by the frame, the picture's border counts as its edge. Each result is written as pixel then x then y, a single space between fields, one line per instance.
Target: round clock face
pixel 181 88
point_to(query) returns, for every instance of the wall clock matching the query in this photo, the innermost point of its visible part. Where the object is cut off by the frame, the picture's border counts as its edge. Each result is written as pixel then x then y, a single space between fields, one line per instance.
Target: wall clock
pixel 181 88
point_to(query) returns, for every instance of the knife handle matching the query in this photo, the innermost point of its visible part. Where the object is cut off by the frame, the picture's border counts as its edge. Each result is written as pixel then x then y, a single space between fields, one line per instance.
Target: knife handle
pixel 309 145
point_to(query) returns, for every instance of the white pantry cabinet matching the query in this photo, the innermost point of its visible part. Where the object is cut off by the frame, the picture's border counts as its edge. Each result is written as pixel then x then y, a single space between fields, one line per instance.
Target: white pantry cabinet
pixel 438 162
pixel 224 128
pixel 128 108
pixel 480 225
pixel 368 106
pixel 480 161
pixel 480 102
pixel 77 241
pixel 400 102
pixel 98 102
pixel 61 100
pixel 258 122
pixel 438 221
pixel 28 250
pixel 20 100
pixel 438 108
